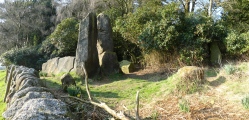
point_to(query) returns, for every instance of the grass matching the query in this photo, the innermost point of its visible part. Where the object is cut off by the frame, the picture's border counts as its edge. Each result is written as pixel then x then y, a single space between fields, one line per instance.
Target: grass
pixel 120 89
pixel 2 92
pixel 117 90
pixel 245 102
pixel 184 105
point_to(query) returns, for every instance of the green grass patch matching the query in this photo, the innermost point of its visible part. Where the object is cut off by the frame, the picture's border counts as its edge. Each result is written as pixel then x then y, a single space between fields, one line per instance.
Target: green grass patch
pixel 243 67
pixel 2 92
pixel 122 89
pixel 51 82
pixel 238 87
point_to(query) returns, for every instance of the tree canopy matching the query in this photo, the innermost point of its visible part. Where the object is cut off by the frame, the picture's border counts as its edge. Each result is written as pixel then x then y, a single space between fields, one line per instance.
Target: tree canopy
pixel 183 29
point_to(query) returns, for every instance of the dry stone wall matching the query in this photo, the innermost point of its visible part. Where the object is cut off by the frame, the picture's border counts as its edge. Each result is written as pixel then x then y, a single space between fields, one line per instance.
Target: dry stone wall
pixel 27 100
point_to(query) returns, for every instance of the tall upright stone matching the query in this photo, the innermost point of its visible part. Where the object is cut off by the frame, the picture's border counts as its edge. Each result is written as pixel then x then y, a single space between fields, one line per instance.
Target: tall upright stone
pixel 86 52
pixel 216 57
pixel 107 58
pixel 105 41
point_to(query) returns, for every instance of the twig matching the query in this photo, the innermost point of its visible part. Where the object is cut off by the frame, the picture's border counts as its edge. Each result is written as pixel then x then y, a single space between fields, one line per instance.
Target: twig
pixel 101 105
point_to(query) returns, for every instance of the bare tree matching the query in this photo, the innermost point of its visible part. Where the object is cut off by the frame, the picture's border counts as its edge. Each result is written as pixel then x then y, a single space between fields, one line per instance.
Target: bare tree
pixel 22 20
pixel 187 4
pixel 77 8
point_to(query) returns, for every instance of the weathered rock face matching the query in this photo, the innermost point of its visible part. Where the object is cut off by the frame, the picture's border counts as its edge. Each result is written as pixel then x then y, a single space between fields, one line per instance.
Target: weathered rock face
pixel 86 52
pixel 105 41
pixel 109 63
pixel 107 58
pixel 27 99
pixel 59 65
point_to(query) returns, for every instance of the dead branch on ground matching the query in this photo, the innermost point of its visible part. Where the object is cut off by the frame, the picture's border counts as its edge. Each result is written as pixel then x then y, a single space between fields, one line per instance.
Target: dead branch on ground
pixel 101 105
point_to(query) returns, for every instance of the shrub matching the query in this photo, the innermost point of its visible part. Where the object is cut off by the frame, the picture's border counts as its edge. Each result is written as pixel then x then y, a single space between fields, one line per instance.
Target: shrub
pixel 237 43
pixel 27 56
pixel 65 37
pixel 74 91
pixel 48 49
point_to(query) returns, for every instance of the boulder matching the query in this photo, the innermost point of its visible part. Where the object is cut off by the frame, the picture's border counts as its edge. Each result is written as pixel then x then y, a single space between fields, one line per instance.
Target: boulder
pixel 105 41
pixel 50 66
pixel 67 80
pixel 86 52
pixel 66 64
pixel 59 65
pixel 109 63
pixel 126 66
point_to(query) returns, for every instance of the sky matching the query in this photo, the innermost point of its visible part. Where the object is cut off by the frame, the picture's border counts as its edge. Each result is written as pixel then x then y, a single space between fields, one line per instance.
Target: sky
pixel 1 1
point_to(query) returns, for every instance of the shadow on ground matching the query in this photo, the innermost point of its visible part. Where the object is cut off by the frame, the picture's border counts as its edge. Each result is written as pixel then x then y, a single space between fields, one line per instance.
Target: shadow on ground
pixel 152 75
pixel 220 80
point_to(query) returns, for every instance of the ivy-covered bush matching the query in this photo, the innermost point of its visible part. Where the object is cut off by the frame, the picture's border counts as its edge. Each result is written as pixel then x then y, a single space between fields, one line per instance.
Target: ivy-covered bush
pixel 166 29
pixel 48 50
pixel 27 56
pixel 237 43
pixel 65 37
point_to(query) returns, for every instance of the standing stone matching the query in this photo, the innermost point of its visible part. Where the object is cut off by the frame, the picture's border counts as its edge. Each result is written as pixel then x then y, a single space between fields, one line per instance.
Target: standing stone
pixel 109 63
pixel 86 52
pixel 105 42
pixel 126 66
pixel 107 58
pixel 215 54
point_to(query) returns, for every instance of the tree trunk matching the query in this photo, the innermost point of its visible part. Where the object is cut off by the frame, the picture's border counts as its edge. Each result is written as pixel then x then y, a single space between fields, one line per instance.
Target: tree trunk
pixel 193 5
pixel 210 8
pixel 187 6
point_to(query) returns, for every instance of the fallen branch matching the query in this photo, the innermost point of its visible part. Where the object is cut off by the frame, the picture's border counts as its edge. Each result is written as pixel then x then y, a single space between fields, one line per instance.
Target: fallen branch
pixel 102 105
pixel 86 81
